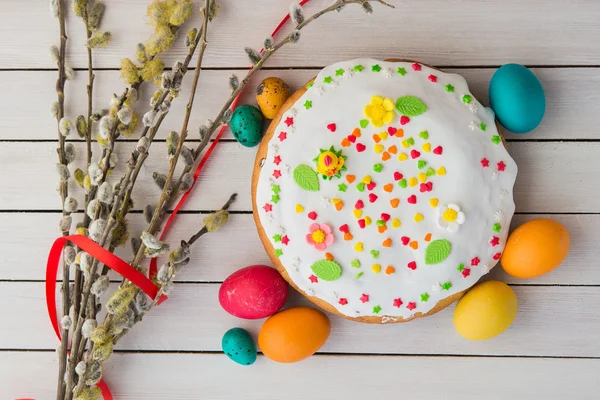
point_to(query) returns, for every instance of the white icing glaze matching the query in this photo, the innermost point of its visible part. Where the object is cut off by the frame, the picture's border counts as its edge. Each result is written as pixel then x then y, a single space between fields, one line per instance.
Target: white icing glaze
pixel 484 194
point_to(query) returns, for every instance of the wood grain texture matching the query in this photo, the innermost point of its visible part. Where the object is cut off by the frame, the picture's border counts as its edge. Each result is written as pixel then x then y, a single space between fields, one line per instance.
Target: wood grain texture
pixel 453 32
pixel 553 177
pixel 192 320
pixel 553 321
pixel 214 377
pixel 573 99
pixel 213 259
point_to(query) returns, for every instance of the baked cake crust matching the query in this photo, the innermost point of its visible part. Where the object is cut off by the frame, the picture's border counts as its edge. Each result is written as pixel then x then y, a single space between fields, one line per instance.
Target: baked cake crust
pixel 261 159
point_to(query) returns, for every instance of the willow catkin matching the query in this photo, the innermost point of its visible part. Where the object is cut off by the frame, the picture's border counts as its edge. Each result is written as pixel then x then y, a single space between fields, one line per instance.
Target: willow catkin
pixel 119 301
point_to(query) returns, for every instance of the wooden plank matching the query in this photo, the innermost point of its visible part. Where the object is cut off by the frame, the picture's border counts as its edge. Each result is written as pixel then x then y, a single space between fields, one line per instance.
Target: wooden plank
pixel 192 320
pixel 213 259
pixel 490 33
pixel 554 177
pixel 565 90
pixel 213 376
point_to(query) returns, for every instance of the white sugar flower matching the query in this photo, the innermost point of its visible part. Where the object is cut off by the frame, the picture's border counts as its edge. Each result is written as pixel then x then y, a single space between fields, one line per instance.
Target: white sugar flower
pixel 473 126
pixel 388 72
pixel 348 74
pixel 451 217
pixel 499 216
pixel 473 107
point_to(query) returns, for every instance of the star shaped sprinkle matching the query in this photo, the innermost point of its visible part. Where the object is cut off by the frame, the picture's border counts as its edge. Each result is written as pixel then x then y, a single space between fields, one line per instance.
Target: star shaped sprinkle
pixel 276 173
pixel 285 240
pixel 313 279
pixel 275 198
pixel 397 302
pixel 501 166
pixel 276 189
pixel 339 72
pixel 376 309
pixel 475 261
pixel 364 298
pixel 327 79
pixel 495 241
pixel 449 88
pixel 485 162
pixel 446 286
pixel 376 68
pixel 268 207
pixel 411 306
pixel 309 85
pixel 466 272
pixel 467 98
pixel 483 126
pixel 461 267
pixel 282 136
pixel 276 160
pixel 342 187
pixel 496 139
pixel 401 71
pixel 308 104
pixel 343 301
pixel 358 68
pixel 277 238
pixel 278 252
pixel 496 227
pixel 289 121
pixel 424 297
pixel 416 66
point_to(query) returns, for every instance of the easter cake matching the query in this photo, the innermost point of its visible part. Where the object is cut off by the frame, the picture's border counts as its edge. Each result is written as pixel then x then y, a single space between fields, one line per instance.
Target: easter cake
pixel 382 190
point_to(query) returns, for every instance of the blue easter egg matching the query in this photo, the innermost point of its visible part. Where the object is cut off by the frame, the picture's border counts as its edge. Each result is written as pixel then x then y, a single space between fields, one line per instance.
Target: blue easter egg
pixel 246 125
pixel 238 345
pixel 517 97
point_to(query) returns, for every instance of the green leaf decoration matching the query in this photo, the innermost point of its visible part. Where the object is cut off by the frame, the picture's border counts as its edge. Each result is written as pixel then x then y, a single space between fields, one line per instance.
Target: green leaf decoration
pixel 327 270
pixel 410 106
pixel 306 178
pixel 437 251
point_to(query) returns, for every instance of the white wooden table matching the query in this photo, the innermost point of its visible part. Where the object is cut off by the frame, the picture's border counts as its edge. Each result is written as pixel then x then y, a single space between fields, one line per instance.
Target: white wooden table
pixel 551 351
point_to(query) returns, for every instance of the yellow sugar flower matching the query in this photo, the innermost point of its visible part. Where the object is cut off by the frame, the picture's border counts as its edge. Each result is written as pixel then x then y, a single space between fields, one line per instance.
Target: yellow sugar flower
pixel 380 111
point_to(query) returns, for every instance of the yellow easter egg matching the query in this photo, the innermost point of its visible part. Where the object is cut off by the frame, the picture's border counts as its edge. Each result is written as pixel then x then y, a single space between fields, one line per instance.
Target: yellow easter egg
pixel 270 96
pixel 485 311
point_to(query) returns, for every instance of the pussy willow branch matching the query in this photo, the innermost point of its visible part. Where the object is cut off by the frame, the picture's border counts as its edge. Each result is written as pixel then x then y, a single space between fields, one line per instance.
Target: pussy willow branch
pixel 64 192
pixel 193 239
pixel 150 133
pixel 88 145
pixel 167 192
pixel 120 204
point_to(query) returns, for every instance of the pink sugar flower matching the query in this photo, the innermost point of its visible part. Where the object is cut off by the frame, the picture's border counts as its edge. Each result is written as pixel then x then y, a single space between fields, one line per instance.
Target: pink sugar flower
pixel 319 236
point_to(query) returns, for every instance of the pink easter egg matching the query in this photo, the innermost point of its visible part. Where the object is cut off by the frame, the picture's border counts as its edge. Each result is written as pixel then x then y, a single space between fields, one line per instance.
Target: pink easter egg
pixel 253 292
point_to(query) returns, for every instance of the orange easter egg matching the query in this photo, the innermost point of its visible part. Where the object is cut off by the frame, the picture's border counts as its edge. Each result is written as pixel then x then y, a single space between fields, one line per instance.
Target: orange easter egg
pixel 535 248
pixel 293 334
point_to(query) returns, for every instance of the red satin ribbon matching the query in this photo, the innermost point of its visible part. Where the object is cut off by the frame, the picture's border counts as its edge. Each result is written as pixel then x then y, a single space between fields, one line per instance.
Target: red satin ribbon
pixel 114 262
pixel 103 256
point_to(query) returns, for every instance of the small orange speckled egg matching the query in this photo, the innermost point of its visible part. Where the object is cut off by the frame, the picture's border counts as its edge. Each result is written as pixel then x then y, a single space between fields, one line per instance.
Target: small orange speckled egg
pixel 535 248
pixel 293 334
pixel 270 96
